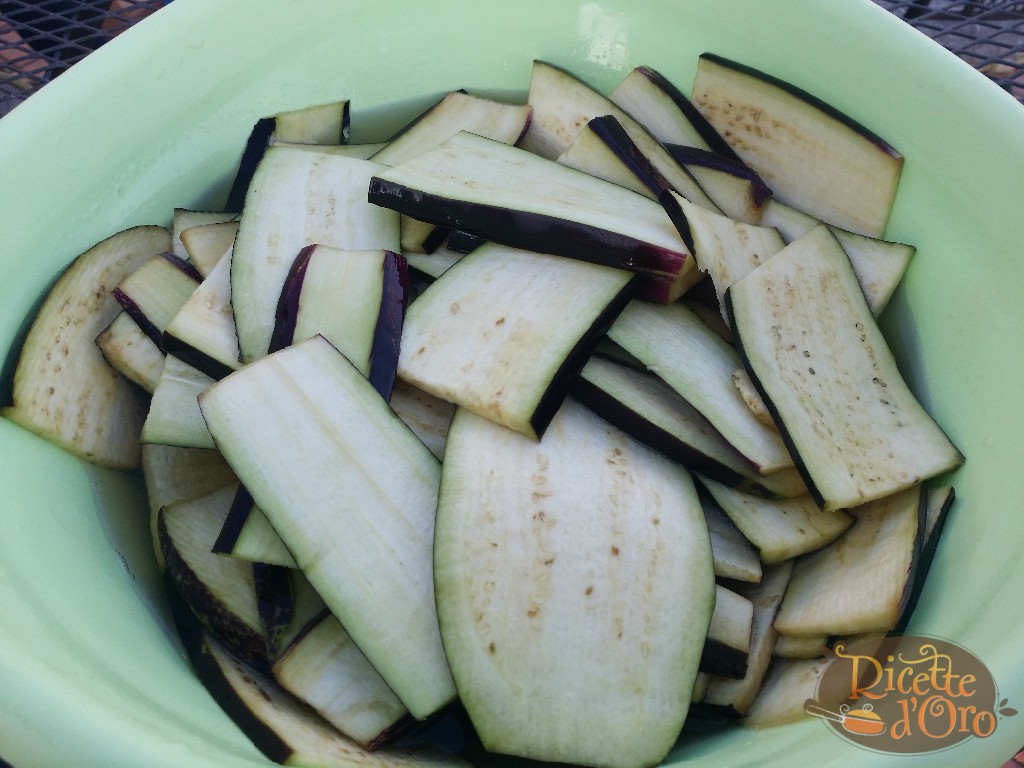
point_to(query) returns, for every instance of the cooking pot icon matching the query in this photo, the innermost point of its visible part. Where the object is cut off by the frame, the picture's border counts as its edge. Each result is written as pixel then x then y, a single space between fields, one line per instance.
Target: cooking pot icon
pixel 863 722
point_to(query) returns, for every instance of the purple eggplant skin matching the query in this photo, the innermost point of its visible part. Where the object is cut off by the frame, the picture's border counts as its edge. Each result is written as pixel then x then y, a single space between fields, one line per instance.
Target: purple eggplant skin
pixel 619 414
pixel 135 311
pixel 925 551
pixel 722 660
pixel 197 649
pixel 188 354
pixel 205 606
pixel 810 98
pixel 288 304
pixel 464 242
pixel 567 374
pixel 678 217
pixel 658 266
pixel 614 136
pixel 731 165
pixel 256 145
pixel 387 334
pixel 238 513
pixel 697 120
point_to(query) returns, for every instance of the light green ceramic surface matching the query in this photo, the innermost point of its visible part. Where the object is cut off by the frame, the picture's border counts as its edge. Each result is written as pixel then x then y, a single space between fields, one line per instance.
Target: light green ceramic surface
pixel 90 673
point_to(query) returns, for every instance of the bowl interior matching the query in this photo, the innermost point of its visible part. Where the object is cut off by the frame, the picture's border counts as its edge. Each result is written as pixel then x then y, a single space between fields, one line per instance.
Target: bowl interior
pixel 91 672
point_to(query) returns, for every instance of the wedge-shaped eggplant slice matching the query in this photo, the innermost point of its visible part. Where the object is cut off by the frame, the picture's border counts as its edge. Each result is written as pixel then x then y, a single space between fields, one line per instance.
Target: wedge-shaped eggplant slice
pixel 812 348
pixel 172 475
pixel 562 104
pixel 504 332
pixel 174 417
pixel 154 292
pixel 574 585
pixel 208 244
pixel 861 582
pixel 457 111
pixel 734 557
pixel 284 729
pixel 298 197
pixel 354 299
pixel 698 364
pixel 185 218
pixel 320 124
pixel 811 155
pixel 726 249
pixel 64 391
pixel 513 197
pixel 782 528
pixel 287 603
pixel 801 646
pixel 603 149
pixel 248 535
pixel 351 491
pixel 656 103
pixel 788 684
pixel 879 264
pixel 202 333
pixel 324 668
pixel 130 352
pixel 648 409
pixel 728 642
pixel 736 189
pixel 219 590
pixel 426 415
pixel 736 697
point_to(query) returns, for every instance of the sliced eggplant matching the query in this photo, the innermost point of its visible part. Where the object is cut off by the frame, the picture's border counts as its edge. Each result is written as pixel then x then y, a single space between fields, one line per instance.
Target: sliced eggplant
pixel 457 111
pixel 64 391
pixel 208 244
pixel 354 299
pixel 861 582
pixel 812 156
pixel 186 218
pixel 351 491
pixel 737 696
pixel 435 264
pixel 780 528
pixel 603 149
pixel 504 332
pixel 734 557
pixel 426 415
pixel 282 728
pixel 219 590
pixel 726 249
pixel 287 603
pixel 202 333
pixel 174 417
pixel 492 190
pixel 698 364
pixel 752 398
pixel 324 668
pixel 320 124
pixel 563 104
pixel 297 198
pixel 937 501
pixel 788 684
pixel 735 188
pixel 728 642
pixel 248 535
pixel 801 646
pixel 130 352
pixel 153 293
pixel 648 409
pixel 173 475
pixel 813 349
pixel 657 104
pixel 574 585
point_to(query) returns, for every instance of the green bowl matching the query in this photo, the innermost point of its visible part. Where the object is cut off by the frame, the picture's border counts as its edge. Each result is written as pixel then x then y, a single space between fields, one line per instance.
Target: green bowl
pixel 91 672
